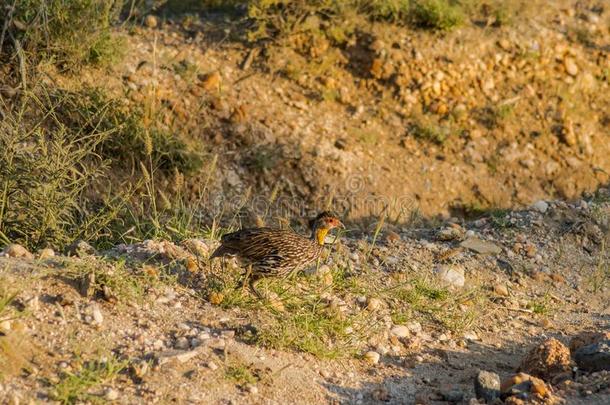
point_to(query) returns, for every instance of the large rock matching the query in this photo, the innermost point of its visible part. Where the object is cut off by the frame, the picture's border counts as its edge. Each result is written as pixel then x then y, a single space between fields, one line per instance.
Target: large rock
pixel 594 357
pixel 587 338
pixel 546 360
pixel 487 386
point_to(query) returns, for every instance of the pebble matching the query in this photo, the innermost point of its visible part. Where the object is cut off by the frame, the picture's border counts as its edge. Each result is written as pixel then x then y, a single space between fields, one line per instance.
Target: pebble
pixel 571 66
pixel 17 251
pixel 400 331
pixel 471 335
pixel 252 389
pixel 501 289
pixel 96 313
pixel 47 253
pixel 540 206
pixel 372 357
pixel 449 233
pixel 373 304
pixel 182 343
pixel 5 326
pixel 212 366
pixel 487 386
pixel 450 276
pixel 111 394
pixel 182 356
pixel 151 21
pixel 481 247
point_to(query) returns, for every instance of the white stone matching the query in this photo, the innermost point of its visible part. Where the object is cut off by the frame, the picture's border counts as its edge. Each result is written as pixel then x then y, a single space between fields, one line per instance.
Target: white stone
pixel 451 276
pixel 541 206
pixel 400 331
pixel 372 357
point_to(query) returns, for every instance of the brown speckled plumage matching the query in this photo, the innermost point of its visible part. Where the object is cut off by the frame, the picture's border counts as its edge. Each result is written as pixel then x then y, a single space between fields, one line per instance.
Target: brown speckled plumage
pixel 276 252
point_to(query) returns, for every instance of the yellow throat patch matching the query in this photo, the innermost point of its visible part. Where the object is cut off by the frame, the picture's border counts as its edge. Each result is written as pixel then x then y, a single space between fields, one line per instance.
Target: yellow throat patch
pixel 321 235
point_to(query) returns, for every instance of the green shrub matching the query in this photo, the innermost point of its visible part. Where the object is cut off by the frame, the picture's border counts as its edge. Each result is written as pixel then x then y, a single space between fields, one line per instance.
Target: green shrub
pixel 132 141
pixel 45 167
pixel 439 15
pixel 69 32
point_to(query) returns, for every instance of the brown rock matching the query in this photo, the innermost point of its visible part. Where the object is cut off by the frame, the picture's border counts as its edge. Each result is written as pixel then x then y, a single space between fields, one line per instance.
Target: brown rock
pixel 392 237
pixel 536 385
pixel 587 338
pixel 568 136
pixel 377 68
pixel 151 21
pixel 501 289
pixel 570 66
pixel 240 114
pixel 216 298
pixel 549 358
pixel 558 278
pixel 211 81
pixel 16 250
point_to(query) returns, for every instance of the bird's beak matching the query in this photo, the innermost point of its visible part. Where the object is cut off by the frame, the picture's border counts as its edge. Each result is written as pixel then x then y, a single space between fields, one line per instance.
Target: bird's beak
pixel 340 225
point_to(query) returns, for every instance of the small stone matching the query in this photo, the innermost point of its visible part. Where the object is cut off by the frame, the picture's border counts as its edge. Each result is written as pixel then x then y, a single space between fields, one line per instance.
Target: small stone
pixel 400 331
pixel 372 357
pixel 594 357
pixel 182 356
pixel 392 237
pixel 151 21
pixel 5 326
pixel 212 366
pixel 414 327
pixel 373 304
pixel 450 276
pixel 17 251
pixel 481 247
pixel 182 343
pixel 96 313
pixel 487 386
pixel 471 335
pixel 501 289
pixel 252 389
pixel 570 66
pixel 211 81
pixel 449 233
pixel 216 298
pixel 540 206
pixel 47 253
pixel 111 394
pixel 80 248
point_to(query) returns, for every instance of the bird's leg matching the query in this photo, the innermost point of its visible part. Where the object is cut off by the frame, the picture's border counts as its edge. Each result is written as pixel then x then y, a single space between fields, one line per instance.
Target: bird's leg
pixel 253 288
pixel 245 279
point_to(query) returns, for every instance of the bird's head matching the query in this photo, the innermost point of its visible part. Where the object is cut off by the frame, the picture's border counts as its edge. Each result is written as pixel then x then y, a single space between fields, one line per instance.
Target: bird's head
pixel 324 222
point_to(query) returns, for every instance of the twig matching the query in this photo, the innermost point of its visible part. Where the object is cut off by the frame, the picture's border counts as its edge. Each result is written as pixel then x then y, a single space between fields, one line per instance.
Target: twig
pixel 527 311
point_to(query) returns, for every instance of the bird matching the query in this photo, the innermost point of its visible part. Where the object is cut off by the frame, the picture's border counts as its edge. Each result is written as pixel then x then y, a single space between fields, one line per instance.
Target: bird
pixel 269 252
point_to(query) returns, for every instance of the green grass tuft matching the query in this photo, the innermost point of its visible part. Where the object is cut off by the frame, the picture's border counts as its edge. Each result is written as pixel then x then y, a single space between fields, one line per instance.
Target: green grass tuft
pixel 76 387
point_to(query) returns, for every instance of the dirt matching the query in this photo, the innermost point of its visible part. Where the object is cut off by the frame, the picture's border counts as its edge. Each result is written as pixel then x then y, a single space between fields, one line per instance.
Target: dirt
pixel 556 292
pixel 478 118
pixel 424 129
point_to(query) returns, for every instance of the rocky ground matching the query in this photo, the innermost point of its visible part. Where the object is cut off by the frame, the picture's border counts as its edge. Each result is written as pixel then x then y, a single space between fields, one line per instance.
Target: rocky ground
pixel 512 306
pixel 488 115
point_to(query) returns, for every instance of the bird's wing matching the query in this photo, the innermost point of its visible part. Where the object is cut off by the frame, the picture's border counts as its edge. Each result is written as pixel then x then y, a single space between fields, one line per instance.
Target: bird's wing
pixel 264 244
